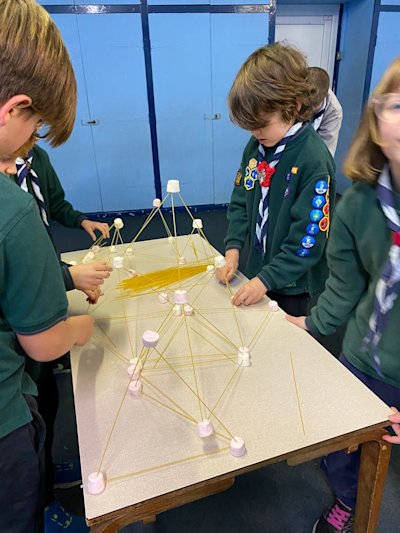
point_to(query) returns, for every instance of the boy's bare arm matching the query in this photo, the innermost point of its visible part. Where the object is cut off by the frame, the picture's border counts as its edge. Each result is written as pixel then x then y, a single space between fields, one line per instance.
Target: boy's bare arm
pixel 59 339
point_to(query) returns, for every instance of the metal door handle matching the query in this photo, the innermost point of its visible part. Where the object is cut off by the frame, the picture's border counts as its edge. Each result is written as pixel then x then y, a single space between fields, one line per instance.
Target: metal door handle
pixel 94 122
pixel 214 116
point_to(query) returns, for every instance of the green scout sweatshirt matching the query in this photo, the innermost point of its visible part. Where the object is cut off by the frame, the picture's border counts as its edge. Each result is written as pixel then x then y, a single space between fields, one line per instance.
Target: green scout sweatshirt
pixel 301 197
pixel 357 250
pixel 57 207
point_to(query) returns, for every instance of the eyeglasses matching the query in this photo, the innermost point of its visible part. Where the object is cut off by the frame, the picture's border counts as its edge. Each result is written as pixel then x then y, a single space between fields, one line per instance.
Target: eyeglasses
pixel 387 107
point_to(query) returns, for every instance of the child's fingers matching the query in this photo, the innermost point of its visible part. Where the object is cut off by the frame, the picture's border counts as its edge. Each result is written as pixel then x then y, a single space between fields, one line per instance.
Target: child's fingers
pixel 392 440
pixel 299 321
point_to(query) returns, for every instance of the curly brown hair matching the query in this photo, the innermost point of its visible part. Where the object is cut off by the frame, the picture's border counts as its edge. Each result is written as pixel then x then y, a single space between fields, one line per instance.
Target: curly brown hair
pixel 35 62
pixel 273 78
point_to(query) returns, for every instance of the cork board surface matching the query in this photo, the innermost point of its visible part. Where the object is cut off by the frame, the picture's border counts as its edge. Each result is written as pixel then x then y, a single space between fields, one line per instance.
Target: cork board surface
pixel 294 394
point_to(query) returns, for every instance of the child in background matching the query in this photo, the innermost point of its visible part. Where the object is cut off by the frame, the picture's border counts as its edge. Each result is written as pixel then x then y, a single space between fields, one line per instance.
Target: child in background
pixel 285 187
pixel 364 282
pixel 33 304
pixel 36 175
pixel 327 111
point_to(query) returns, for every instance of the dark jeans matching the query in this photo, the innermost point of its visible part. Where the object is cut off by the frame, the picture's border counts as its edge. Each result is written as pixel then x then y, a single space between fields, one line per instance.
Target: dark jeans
pixel 342 468
pixel 21 476
pixel 295 305
pixel 48 400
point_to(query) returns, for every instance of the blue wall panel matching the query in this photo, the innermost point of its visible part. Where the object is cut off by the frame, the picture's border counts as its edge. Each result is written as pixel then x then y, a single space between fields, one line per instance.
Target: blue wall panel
pixel 356 32
pixel 234 37
pixel 108 2
pixel 387 45
pixel 55 2
pixel 112 47
pixel 75 161
pixel 182 91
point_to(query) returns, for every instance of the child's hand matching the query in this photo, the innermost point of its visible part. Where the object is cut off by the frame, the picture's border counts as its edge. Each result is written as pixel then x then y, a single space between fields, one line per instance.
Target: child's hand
pixel 93 295
pixel 87 277
pixel 227 272
pixel 299 321
pixel 395 419
pixel 90 226
pixel 250 293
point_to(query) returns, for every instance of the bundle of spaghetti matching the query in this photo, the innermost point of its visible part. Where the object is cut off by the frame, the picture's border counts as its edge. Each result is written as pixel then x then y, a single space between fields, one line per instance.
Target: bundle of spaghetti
pixel 157 280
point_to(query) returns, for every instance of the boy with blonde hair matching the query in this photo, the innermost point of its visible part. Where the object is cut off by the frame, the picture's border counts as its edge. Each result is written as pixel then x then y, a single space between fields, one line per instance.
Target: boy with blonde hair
pixel 285 186
pixel 33 308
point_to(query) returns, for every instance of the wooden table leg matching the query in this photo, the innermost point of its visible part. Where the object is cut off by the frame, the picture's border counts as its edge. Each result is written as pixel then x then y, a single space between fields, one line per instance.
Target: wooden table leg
pixel 375 455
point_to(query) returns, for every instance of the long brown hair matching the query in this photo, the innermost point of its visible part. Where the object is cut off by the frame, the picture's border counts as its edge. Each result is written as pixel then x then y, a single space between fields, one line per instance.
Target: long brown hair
pixel 365 159
pixel 35 62
pixel 273 78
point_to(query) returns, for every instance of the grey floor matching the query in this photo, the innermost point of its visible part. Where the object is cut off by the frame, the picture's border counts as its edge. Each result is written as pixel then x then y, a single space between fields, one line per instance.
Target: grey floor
pixel 274 499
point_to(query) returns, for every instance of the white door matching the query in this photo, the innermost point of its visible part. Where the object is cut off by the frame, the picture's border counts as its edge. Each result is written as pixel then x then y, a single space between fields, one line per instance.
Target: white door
pixel 312 29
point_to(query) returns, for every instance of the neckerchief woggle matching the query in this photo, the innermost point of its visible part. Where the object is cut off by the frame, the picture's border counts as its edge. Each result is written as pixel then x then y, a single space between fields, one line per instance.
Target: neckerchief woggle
pixel 265 172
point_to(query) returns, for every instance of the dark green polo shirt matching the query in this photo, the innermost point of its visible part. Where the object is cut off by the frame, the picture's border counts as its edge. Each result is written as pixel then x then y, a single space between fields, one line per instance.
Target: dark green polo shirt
pixel 32 296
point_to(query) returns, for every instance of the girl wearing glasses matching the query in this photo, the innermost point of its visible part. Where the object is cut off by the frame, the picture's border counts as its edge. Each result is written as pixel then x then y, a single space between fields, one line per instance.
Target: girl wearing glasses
pixel 363 288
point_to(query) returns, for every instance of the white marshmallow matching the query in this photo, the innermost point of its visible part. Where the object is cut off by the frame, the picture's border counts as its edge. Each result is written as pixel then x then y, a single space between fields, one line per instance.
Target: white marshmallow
pixel 150 338
pixel 273 306
pixel 177 309
pixel 96 483
pixel 181 296
pixel 238 447
pixel 205 428
pixel 197 223
pixel 88 258
pixel 188 310
pixel 243 356
pixel 163 297
pixel 118 223
pixel 118 261
pixel 173 186
pixel 156 202
pixel 135 388
pixel 219 261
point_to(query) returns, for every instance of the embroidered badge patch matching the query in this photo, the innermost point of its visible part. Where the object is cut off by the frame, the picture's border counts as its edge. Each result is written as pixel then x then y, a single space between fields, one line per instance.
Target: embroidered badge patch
pixel 307 241
pixel 318 202
pixel 303 252
pixel 316 215
pixel 324 224
pixel 321 187
pixel 238 179
pixel 249 183
pixel 252 163
pixel 312 229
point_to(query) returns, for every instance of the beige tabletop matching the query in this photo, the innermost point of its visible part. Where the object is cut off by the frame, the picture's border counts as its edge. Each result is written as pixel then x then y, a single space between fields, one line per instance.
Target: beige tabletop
pixel 294 394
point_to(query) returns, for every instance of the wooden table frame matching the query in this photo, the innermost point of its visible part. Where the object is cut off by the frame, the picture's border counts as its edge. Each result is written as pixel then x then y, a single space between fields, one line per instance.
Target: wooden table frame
pixel 375 455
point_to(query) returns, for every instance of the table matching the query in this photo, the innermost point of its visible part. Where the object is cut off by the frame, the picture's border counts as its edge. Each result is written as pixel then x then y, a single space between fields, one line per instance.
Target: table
pixel 285 405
